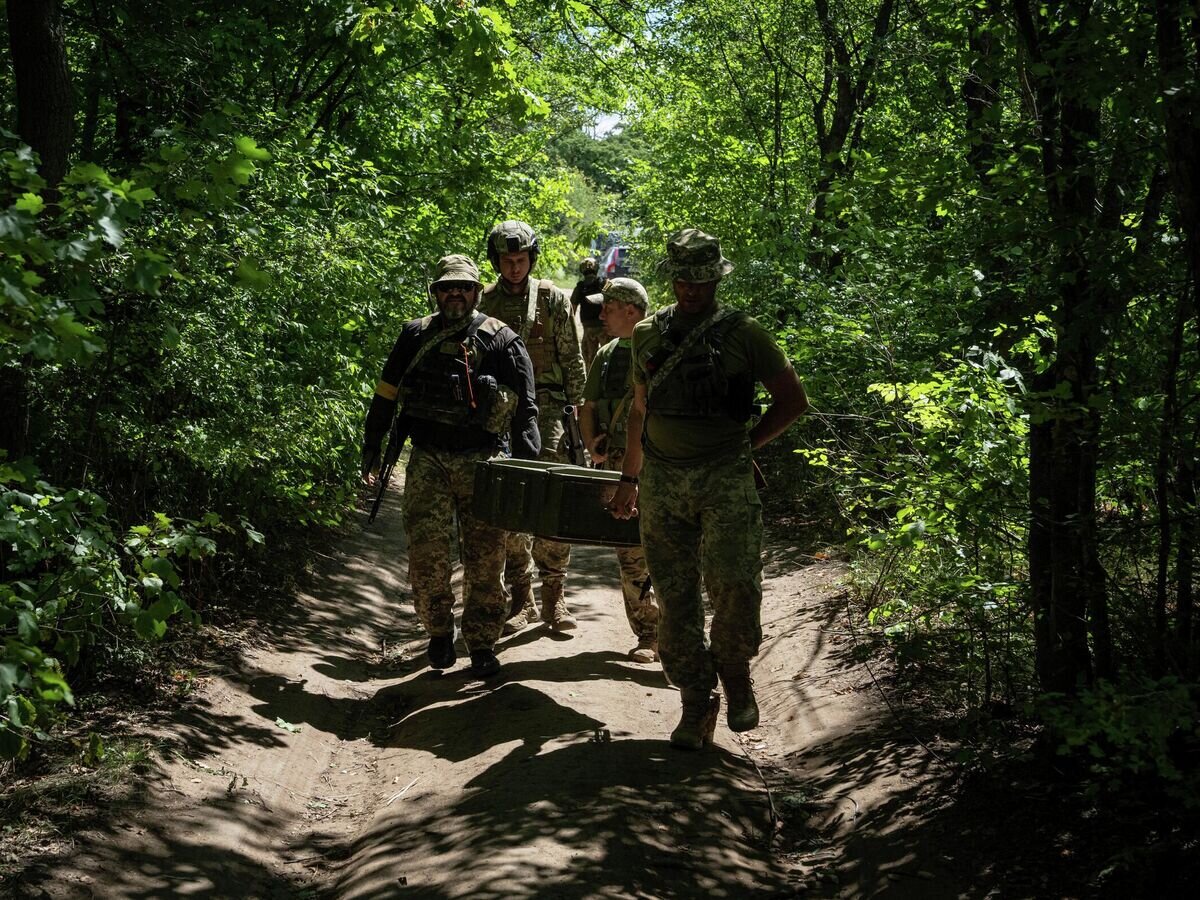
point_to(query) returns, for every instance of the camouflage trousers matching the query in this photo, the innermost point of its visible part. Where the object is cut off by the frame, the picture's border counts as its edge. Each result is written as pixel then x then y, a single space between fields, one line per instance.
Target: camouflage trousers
pixel 437 489
pixel 594 337
pixel 641 607
pixel 523 551
pixel 703 521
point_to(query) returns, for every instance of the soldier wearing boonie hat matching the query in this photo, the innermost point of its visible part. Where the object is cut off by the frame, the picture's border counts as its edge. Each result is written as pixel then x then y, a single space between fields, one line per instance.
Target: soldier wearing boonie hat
pixel 463 380
pixel 602 423
pixel 694 256
pixel 689 475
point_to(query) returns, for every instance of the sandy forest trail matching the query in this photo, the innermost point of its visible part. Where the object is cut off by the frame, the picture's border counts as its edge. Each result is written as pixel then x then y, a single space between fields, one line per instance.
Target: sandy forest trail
pixel 329 760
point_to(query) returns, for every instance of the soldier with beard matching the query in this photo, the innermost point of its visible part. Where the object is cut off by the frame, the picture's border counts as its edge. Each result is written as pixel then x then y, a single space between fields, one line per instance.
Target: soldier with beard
pixel 463 381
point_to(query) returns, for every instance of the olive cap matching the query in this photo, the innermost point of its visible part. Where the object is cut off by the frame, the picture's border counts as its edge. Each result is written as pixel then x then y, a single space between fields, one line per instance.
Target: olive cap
pixel 627 290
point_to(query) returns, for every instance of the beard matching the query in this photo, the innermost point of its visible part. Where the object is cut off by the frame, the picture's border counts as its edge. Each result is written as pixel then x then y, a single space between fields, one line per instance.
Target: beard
pixel 454 310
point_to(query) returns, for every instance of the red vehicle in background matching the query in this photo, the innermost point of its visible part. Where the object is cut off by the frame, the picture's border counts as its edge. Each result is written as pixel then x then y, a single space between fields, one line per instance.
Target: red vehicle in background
pixel 615 263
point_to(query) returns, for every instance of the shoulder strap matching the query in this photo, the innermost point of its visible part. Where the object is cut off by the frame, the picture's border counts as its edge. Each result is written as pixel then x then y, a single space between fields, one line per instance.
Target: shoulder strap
pixel 429 343
pixel 668 365
pixel 531 304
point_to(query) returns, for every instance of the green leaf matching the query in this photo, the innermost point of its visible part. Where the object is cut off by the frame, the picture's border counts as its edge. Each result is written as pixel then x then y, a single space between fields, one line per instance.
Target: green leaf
pixel 249 275
pixel 248 148
pixel 30 203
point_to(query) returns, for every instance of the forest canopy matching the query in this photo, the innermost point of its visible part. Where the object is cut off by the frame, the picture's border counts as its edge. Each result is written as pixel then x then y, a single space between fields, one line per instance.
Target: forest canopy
pixel 973 227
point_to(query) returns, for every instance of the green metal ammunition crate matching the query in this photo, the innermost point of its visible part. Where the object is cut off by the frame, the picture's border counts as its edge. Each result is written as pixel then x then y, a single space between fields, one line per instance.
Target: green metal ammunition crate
pixel 551 500
pixel 509 493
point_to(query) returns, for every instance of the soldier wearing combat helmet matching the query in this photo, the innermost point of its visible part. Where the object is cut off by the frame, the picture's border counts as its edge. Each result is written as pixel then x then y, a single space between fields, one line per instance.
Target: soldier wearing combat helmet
pixel 464 381
pixel 584 299
pixel 540 313
pixel 688 473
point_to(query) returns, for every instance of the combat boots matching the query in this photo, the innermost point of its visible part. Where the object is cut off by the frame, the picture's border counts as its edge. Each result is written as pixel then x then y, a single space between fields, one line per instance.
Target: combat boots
pixel 526 610
pixel 554 607
pixel 646 651
pixel 441 651
pixel 698 722
pixel 741 709
pixel 484 663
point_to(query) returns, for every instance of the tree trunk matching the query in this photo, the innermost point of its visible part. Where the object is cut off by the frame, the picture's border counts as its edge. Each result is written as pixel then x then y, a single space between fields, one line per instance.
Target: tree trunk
pixel 1067 582
pixel 43 84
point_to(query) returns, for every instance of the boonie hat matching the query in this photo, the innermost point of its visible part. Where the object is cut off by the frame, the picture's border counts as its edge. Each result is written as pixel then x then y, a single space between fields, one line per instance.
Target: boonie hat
pixel 455 267
pixel 627 290
pixel 693 255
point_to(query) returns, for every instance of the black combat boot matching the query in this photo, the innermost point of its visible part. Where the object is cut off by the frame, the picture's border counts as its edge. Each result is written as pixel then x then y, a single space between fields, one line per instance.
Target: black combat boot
pixel 441 651
pixel 484 663
pixel 699 720
pixel 741 709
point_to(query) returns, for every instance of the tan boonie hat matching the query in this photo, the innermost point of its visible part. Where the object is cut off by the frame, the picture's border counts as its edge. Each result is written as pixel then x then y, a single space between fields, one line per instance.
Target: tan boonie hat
pixel 693 255
pixel 455 267
pixel 627 290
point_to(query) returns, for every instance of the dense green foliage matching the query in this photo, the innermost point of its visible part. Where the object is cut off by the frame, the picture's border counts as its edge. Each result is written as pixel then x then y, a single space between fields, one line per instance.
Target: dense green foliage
pixel 973 226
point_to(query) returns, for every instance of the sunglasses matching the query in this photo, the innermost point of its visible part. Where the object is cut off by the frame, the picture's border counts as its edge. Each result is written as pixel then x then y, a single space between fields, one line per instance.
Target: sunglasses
pixel 450 287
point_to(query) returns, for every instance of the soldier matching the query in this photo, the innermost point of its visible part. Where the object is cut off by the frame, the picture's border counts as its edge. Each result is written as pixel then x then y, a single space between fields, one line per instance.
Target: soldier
pixel 695 365
pixel 606 399
pixel 463 379
pixel 540 313
pixel 587 287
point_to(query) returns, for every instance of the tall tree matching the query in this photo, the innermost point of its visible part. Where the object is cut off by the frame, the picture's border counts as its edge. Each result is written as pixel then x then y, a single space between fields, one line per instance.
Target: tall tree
pixel 45 110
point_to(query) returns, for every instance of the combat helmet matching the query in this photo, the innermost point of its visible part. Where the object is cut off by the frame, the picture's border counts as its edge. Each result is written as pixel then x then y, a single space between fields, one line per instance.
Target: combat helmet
pixel 512 236
pixel 588 266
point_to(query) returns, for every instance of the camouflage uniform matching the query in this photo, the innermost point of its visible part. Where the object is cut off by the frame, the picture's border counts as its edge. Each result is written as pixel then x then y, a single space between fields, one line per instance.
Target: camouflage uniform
pixel 553 344
pixel 700 514
pixel 583 299
pixel 641 605
pixel 703 521
pixel 463 383
pixel 608 391
pixel 437 491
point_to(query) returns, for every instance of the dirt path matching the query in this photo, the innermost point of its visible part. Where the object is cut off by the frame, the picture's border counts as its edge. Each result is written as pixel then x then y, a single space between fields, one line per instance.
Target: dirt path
pixel 331 761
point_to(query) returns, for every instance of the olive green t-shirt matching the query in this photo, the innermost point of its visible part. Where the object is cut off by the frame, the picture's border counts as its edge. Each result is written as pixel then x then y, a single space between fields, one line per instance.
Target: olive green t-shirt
pixel 606 406
pixel 676 440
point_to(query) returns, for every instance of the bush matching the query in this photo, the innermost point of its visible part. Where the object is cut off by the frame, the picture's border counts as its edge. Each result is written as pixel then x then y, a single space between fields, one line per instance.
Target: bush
pixel 70 584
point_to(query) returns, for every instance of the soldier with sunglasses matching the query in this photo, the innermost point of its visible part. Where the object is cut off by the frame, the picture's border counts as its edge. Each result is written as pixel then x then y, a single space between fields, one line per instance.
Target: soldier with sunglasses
pixel 463 381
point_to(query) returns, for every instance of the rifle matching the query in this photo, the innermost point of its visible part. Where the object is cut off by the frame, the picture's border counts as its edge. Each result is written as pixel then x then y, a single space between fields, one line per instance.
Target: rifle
pixel 574 437
pixel 396 439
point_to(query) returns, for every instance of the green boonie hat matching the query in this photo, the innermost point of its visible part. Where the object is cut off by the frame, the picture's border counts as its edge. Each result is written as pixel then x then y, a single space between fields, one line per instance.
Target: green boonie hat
pixel 455 267
pixel 693 255
pixel 627 290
